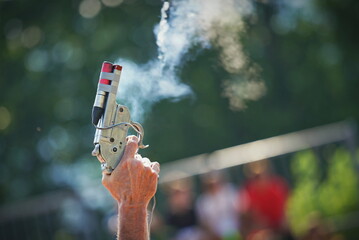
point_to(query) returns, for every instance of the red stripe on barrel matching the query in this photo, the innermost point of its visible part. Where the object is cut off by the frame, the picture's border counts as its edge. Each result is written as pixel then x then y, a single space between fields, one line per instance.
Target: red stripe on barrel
pixel 106 67
pixel 118 67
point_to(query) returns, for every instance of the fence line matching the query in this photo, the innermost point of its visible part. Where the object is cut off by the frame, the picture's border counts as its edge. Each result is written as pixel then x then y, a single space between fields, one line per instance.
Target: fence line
pixel 258 150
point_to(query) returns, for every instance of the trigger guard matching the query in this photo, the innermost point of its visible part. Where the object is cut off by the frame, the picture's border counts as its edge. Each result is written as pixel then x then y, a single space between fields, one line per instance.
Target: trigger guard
pixel 140 134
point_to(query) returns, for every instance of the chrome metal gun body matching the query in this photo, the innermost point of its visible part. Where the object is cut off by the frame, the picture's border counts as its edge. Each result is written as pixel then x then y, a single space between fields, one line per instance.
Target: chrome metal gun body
pixel 111 120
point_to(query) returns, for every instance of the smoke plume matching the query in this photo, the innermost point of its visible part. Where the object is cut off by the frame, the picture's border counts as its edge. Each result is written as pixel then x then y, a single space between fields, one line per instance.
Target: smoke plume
pixel 183 25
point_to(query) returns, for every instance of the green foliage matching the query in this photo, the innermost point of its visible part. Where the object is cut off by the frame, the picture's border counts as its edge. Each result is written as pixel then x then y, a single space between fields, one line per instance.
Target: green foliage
pixel 339 193
pixel 303 200
pixel 336 195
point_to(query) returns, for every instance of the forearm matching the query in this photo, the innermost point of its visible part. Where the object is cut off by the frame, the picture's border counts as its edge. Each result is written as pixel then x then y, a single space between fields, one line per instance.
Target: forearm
pixel 132 222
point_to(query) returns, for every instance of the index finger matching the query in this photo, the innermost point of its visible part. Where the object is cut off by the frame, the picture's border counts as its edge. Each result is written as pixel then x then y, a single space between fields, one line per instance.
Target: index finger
pixel 131 148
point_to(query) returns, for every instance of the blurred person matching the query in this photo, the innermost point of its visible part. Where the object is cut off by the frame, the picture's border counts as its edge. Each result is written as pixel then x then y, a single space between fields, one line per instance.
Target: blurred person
pixel 158 226
pixel 181 216
pixel 216 207
pixel 132 184
pixel 317 229
pixel 262 202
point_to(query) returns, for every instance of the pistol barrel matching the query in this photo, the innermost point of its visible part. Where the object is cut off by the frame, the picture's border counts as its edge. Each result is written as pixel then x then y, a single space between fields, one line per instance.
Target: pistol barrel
pixel 101 96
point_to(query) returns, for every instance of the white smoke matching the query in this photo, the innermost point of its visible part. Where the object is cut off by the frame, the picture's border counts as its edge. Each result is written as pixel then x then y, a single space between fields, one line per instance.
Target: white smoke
pixel 143 85
pixel 186 24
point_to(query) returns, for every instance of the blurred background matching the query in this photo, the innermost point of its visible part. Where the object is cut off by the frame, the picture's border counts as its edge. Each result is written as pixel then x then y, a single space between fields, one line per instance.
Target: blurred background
pixel 247 77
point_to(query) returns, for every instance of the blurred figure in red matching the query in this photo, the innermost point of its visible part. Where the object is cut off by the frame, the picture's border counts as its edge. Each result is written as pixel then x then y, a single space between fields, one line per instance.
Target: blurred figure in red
pixel 263 199
pixel 216 207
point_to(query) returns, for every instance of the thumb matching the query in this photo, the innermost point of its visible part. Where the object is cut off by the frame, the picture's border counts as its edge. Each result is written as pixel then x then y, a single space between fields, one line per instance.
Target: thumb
pixel 131 148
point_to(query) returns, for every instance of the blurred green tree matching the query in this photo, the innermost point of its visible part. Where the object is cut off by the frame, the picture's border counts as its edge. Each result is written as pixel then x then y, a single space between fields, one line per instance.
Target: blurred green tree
pixel 335 195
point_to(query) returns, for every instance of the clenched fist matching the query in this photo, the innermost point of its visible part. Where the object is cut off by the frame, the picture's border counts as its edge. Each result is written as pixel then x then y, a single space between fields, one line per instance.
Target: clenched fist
pixel 134 180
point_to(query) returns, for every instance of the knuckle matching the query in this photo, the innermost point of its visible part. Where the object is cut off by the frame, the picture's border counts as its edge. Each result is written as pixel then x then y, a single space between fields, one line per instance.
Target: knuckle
pixel 156 164
pixel 136 163
pixel 148 169
pixel 154 174
pixel 156 167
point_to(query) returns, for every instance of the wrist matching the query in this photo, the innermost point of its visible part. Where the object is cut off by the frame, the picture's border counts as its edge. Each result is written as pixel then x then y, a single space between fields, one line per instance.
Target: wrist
pixel 132 221
pixel 132 205
pixel 132 211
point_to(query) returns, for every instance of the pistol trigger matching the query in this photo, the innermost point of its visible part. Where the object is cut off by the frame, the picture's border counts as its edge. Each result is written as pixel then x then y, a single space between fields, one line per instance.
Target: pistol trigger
pixel 140 144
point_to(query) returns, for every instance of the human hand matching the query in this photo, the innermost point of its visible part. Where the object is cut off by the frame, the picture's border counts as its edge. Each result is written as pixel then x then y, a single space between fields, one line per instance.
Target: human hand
pixel 134 181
